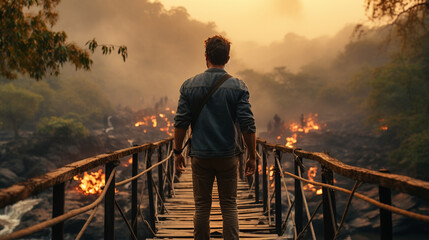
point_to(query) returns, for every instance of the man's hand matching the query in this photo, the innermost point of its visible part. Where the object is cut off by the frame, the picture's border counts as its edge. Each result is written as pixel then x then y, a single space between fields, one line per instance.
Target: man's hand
pixel 250 166
pixel 179 162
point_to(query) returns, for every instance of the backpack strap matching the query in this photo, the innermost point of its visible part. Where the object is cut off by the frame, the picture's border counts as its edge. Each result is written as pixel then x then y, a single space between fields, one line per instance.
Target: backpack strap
pixel 207 97
pixel 218 83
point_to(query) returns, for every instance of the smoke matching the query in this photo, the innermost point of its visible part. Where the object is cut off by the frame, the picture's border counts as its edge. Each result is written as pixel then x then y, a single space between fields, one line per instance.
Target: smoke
pixel 293 51
pixel 289 8
pixel 165 47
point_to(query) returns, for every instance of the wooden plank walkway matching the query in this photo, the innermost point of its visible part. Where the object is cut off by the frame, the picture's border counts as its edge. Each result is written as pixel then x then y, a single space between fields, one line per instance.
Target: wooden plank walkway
pixel 178 222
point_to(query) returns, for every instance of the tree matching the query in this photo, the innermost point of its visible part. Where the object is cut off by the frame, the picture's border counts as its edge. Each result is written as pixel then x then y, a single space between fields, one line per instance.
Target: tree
pixel 29 46
pixel 407 18
pixel 17 106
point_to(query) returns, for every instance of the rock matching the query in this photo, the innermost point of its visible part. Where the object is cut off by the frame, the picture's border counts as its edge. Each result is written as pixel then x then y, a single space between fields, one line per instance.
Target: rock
pixel 7 177
pixel 37 166
pixel 14 164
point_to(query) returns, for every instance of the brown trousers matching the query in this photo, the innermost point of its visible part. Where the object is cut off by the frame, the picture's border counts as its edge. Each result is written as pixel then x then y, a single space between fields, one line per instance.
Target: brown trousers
pixel 204 171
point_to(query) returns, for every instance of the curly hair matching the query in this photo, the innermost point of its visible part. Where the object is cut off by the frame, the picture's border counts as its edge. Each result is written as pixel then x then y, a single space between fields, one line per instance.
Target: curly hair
pixel 217 49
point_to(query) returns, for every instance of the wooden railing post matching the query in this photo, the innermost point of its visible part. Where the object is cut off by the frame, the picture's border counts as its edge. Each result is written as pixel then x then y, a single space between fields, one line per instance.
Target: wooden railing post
pixel 256 181
pixel 150 191
pixel 264 179
pixel 170 171
pixel 160 178
pixel 278 193
pixel 329 208
pixel 57 210
pixel 109 204
pixel 385 216
pixel 299 215
pixel 134 187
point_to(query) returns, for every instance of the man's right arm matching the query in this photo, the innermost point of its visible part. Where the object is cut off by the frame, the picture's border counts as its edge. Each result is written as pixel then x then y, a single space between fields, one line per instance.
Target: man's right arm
pixel 250 140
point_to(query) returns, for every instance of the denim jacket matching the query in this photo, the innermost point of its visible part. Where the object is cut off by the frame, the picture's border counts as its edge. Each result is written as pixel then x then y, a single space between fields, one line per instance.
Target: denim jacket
pixel 214 133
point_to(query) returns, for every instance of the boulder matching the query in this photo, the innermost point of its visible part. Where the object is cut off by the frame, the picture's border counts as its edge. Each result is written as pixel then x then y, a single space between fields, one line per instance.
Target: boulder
pixel 7 177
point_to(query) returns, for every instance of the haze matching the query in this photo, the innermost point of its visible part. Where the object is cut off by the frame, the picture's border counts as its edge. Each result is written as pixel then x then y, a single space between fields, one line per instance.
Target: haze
pixel 265 21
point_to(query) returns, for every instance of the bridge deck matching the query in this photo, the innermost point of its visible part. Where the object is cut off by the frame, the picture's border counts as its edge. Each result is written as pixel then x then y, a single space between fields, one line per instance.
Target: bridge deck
pixel 178 222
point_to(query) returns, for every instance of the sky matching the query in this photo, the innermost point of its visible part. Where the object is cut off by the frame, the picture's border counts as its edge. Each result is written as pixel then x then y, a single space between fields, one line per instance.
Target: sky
pixel 265 21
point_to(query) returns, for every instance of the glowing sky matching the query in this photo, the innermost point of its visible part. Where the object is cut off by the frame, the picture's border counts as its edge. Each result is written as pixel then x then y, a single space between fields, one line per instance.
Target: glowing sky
pixel 264 21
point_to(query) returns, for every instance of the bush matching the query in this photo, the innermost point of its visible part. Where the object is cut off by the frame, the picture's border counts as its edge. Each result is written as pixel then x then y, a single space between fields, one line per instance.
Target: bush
pixel 62 129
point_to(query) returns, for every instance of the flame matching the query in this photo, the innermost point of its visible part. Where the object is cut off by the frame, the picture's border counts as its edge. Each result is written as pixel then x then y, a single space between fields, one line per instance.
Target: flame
pixel 91 183
pixel 291 140
pixel 159 121
pixel 383 126
pixel 307 124
pixel 129 162
pixel 312 172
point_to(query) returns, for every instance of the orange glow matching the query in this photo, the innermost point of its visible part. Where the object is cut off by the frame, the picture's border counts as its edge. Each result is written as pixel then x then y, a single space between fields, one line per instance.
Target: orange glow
pixel 383 125
pixel 312 172
pixel 291 140
pixel 309 123
pixel 91 183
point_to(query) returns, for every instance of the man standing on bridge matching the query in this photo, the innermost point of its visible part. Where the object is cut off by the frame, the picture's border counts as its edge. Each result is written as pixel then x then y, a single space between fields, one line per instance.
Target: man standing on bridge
pixel 215 147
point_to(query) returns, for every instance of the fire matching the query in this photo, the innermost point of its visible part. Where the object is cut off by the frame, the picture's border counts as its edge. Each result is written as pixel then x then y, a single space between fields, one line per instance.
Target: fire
pixel 307 124
pixel 312 172
pixel 384 126
pixel 91 183
pixel 158 121
pixel 291 140
pixel 129 162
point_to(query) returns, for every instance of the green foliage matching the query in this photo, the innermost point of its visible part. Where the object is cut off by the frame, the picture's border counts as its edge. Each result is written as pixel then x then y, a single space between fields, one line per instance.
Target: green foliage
pixel 28 45
pixel 83 98
pixel 413 154
pixel 62 129
pixel 397 95
pixel 400 95
pixel 17 106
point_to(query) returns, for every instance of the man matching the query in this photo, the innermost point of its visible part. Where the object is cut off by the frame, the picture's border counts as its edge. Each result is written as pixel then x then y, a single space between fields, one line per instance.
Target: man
pixel 214 150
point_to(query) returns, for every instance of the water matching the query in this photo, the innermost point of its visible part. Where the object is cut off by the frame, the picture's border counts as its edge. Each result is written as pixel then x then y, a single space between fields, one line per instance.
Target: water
pixel 10 216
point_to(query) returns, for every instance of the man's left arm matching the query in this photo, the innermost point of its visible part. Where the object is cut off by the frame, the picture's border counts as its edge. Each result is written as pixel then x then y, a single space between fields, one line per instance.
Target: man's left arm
pixel 247 125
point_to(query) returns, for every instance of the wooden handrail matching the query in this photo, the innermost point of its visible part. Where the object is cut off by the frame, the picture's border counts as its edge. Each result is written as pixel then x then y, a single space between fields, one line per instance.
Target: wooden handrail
pixel 35 185
pixel 396 182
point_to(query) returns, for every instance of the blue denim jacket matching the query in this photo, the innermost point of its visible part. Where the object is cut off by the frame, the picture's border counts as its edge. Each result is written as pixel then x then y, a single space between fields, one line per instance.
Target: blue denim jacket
pixel 214 133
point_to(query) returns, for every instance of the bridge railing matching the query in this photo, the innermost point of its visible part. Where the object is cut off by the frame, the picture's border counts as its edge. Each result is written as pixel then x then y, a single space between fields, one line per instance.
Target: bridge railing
pixel 57 179
pixel 329 166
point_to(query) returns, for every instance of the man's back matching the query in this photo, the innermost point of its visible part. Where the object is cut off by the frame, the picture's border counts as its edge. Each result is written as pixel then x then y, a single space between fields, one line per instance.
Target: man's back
pixel 213 149
pixel 214 132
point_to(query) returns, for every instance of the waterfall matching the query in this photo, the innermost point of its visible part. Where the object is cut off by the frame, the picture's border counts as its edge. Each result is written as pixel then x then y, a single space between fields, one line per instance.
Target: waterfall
pixel 10 216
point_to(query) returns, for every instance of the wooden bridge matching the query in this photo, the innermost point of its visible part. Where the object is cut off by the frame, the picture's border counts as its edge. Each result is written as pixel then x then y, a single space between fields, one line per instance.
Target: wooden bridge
pixel 170 203
pixel 178 222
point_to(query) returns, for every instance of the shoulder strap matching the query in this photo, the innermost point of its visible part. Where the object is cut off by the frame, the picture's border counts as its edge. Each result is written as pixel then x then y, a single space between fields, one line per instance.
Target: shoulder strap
pixel 208 95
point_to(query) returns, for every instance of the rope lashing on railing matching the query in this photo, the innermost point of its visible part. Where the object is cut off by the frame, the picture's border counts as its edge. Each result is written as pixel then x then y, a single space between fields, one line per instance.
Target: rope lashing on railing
pixel 346 209
pixel 307 210
pixel 126 220
pixel 140 213
pixel 288 199
pixel 61 218
pixel 88 221
pixel 143 172
pixel 301 234
pixel 390 208
pixel 159 196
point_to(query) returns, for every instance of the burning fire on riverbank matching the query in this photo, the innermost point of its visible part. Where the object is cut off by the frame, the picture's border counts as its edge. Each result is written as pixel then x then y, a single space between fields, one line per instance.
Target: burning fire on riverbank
pixel 308 123
pixel 160 121
pixel 91 183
